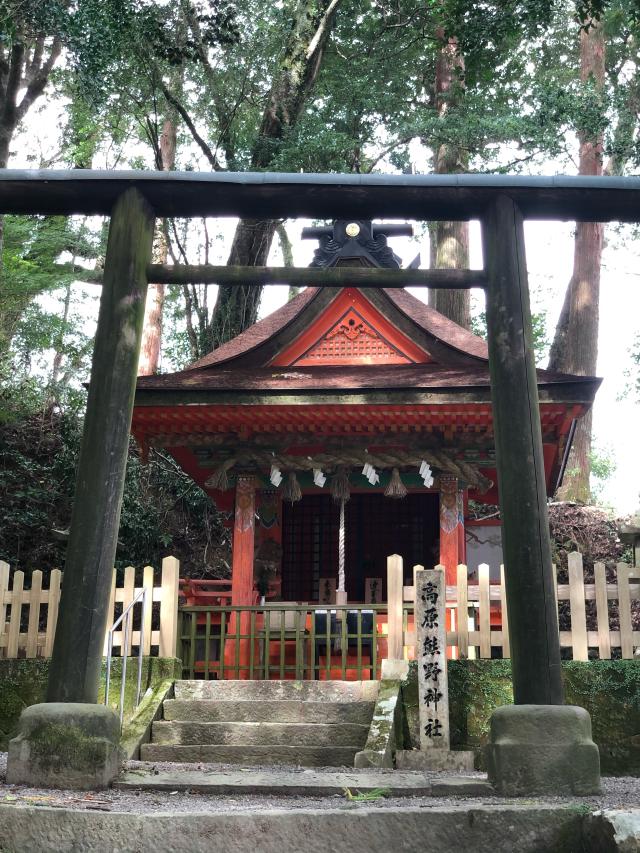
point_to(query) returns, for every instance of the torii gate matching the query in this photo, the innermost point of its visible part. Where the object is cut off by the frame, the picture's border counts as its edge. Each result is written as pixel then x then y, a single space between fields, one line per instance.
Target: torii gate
pixel 133 199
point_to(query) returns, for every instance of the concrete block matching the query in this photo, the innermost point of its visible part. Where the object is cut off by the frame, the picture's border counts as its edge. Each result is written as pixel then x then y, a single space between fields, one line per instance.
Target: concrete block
pixel 65 745
pixel 542 749
pixel 434 759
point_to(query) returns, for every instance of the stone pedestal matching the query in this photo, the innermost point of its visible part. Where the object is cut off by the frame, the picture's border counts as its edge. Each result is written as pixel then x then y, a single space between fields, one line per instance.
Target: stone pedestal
pixel 455 761
pixel 65 745
pixel 542 749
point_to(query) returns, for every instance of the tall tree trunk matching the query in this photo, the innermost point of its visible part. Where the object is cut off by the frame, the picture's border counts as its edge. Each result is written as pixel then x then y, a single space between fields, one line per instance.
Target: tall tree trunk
pixel 450 239
pixel 312 22
pixel 575 345
pixel 152 330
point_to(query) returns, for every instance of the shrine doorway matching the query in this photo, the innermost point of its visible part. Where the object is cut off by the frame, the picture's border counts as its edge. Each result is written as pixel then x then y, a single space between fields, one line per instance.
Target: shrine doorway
pixel 375 527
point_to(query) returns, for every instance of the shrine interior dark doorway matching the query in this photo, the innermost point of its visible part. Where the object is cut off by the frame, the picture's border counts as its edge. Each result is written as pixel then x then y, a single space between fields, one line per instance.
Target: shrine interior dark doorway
pixel 376 526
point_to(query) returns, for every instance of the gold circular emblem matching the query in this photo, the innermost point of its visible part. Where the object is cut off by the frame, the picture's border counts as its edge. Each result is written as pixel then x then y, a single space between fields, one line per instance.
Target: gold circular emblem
pixel 352 229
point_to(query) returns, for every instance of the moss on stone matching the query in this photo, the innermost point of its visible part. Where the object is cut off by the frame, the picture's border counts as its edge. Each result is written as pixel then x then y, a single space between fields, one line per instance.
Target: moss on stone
pixel 137 728
pixel 23 682
pixel 409 713
pixel 56 747
pixel 383 731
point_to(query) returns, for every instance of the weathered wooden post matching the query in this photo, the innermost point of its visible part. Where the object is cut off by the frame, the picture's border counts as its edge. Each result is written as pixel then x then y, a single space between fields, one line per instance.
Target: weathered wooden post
pixel 77 653
pixel 533 621
pixel 538 745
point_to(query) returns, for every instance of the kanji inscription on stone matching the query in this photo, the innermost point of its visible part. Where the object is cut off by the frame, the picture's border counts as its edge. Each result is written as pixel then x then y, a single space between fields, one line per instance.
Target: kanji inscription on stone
pixel 431 646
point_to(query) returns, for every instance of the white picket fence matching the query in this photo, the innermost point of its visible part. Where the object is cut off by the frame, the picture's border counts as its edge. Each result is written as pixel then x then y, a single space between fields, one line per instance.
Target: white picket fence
pixel 42 604
pixel 472 607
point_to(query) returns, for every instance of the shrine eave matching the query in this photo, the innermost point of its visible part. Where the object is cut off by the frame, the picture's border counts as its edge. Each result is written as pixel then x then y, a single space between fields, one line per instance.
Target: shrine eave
pixel 195 424
pixel 577 390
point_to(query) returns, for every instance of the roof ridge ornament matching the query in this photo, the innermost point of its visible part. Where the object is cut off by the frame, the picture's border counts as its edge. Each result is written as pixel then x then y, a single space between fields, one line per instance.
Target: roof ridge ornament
pixel 356 241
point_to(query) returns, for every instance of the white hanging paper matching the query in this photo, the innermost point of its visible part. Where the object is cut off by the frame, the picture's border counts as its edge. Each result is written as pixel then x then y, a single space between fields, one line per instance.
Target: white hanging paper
pixel 275 476
pixel 319 478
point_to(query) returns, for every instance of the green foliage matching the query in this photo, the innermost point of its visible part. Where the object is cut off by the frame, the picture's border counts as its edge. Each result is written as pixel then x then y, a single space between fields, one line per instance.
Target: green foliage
pixel 39 254
pixel 538 325
pixel 107 37
pixel 164 511
pixel 367 796
pixel 603 466
pixel 633 373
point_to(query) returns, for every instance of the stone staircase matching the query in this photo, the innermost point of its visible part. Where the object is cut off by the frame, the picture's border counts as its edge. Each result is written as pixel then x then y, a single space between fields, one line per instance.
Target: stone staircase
pixel 300 723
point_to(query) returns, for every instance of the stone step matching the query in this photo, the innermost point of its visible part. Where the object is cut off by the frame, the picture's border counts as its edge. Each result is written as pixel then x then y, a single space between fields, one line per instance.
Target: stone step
pixel 268 710
pixel 273 734
pixel 237 827
pixel 252 755
pixel 314 691
pixel 300 783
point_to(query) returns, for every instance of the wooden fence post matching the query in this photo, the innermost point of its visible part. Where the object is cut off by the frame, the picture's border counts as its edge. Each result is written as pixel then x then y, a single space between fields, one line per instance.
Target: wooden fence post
pixel 602 612
pixel 484 610
pixel 34 614
pixel 578 612
pixel 504 616
pixel 4 591
pixel 169 608
pixel 624 611
pixel 463 611
pixel 16 614
pixel 147 583
pixel 128 594
pixel 74 673
pixel 52 610
pixel 533 624
pixel 395 595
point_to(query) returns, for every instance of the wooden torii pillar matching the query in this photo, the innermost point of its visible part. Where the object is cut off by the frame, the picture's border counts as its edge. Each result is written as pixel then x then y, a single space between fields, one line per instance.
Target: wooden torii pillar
pixel 533 620
pixel 74 674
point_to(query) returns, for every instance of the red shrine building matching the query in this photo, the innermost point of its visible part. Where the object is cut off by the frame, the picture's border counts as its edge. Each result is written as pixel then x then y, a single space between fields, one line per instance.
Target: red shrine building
pixel 348 425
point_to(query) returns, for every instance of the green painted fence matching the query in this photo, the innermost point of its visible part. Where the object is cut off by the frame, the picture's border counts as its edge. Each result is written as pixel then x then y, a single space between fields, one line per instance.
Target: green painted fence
pixel 282 641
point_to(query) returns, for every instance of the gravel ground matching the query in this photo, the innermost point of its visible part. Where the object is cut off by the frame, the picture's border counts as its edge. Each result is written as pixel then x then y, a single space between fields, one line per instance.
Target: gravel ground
pixel 618 792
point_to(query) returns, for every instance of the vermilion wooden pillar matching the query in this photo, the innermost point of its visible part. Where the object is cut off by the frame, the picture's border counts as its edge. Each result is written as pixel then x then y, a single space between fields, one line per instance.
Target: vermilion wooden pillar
pixel 449 528
pixel 244 529
pixel 450 540
pixel 242 571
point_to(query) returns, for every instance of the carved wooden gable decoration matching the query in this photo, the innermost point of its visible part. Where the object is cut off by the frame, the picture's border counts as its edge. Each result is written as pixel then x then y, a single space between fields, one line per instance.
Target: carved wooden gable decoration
pixel 351 331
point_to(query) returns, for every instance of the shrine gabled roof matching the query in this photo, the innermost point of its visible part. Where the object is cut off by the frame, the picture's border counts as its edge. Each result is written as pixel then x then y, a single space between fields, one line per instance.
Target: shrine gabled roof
pixel 401 329
pixel 303 309
pixel 292 350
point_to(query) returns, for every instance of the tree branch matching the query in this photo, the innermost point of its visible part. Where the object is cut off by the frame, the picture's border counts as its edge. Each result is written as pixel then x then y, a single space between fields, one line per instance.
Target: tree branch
pixel 39 80
pixel 9 118
pixel 175 103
